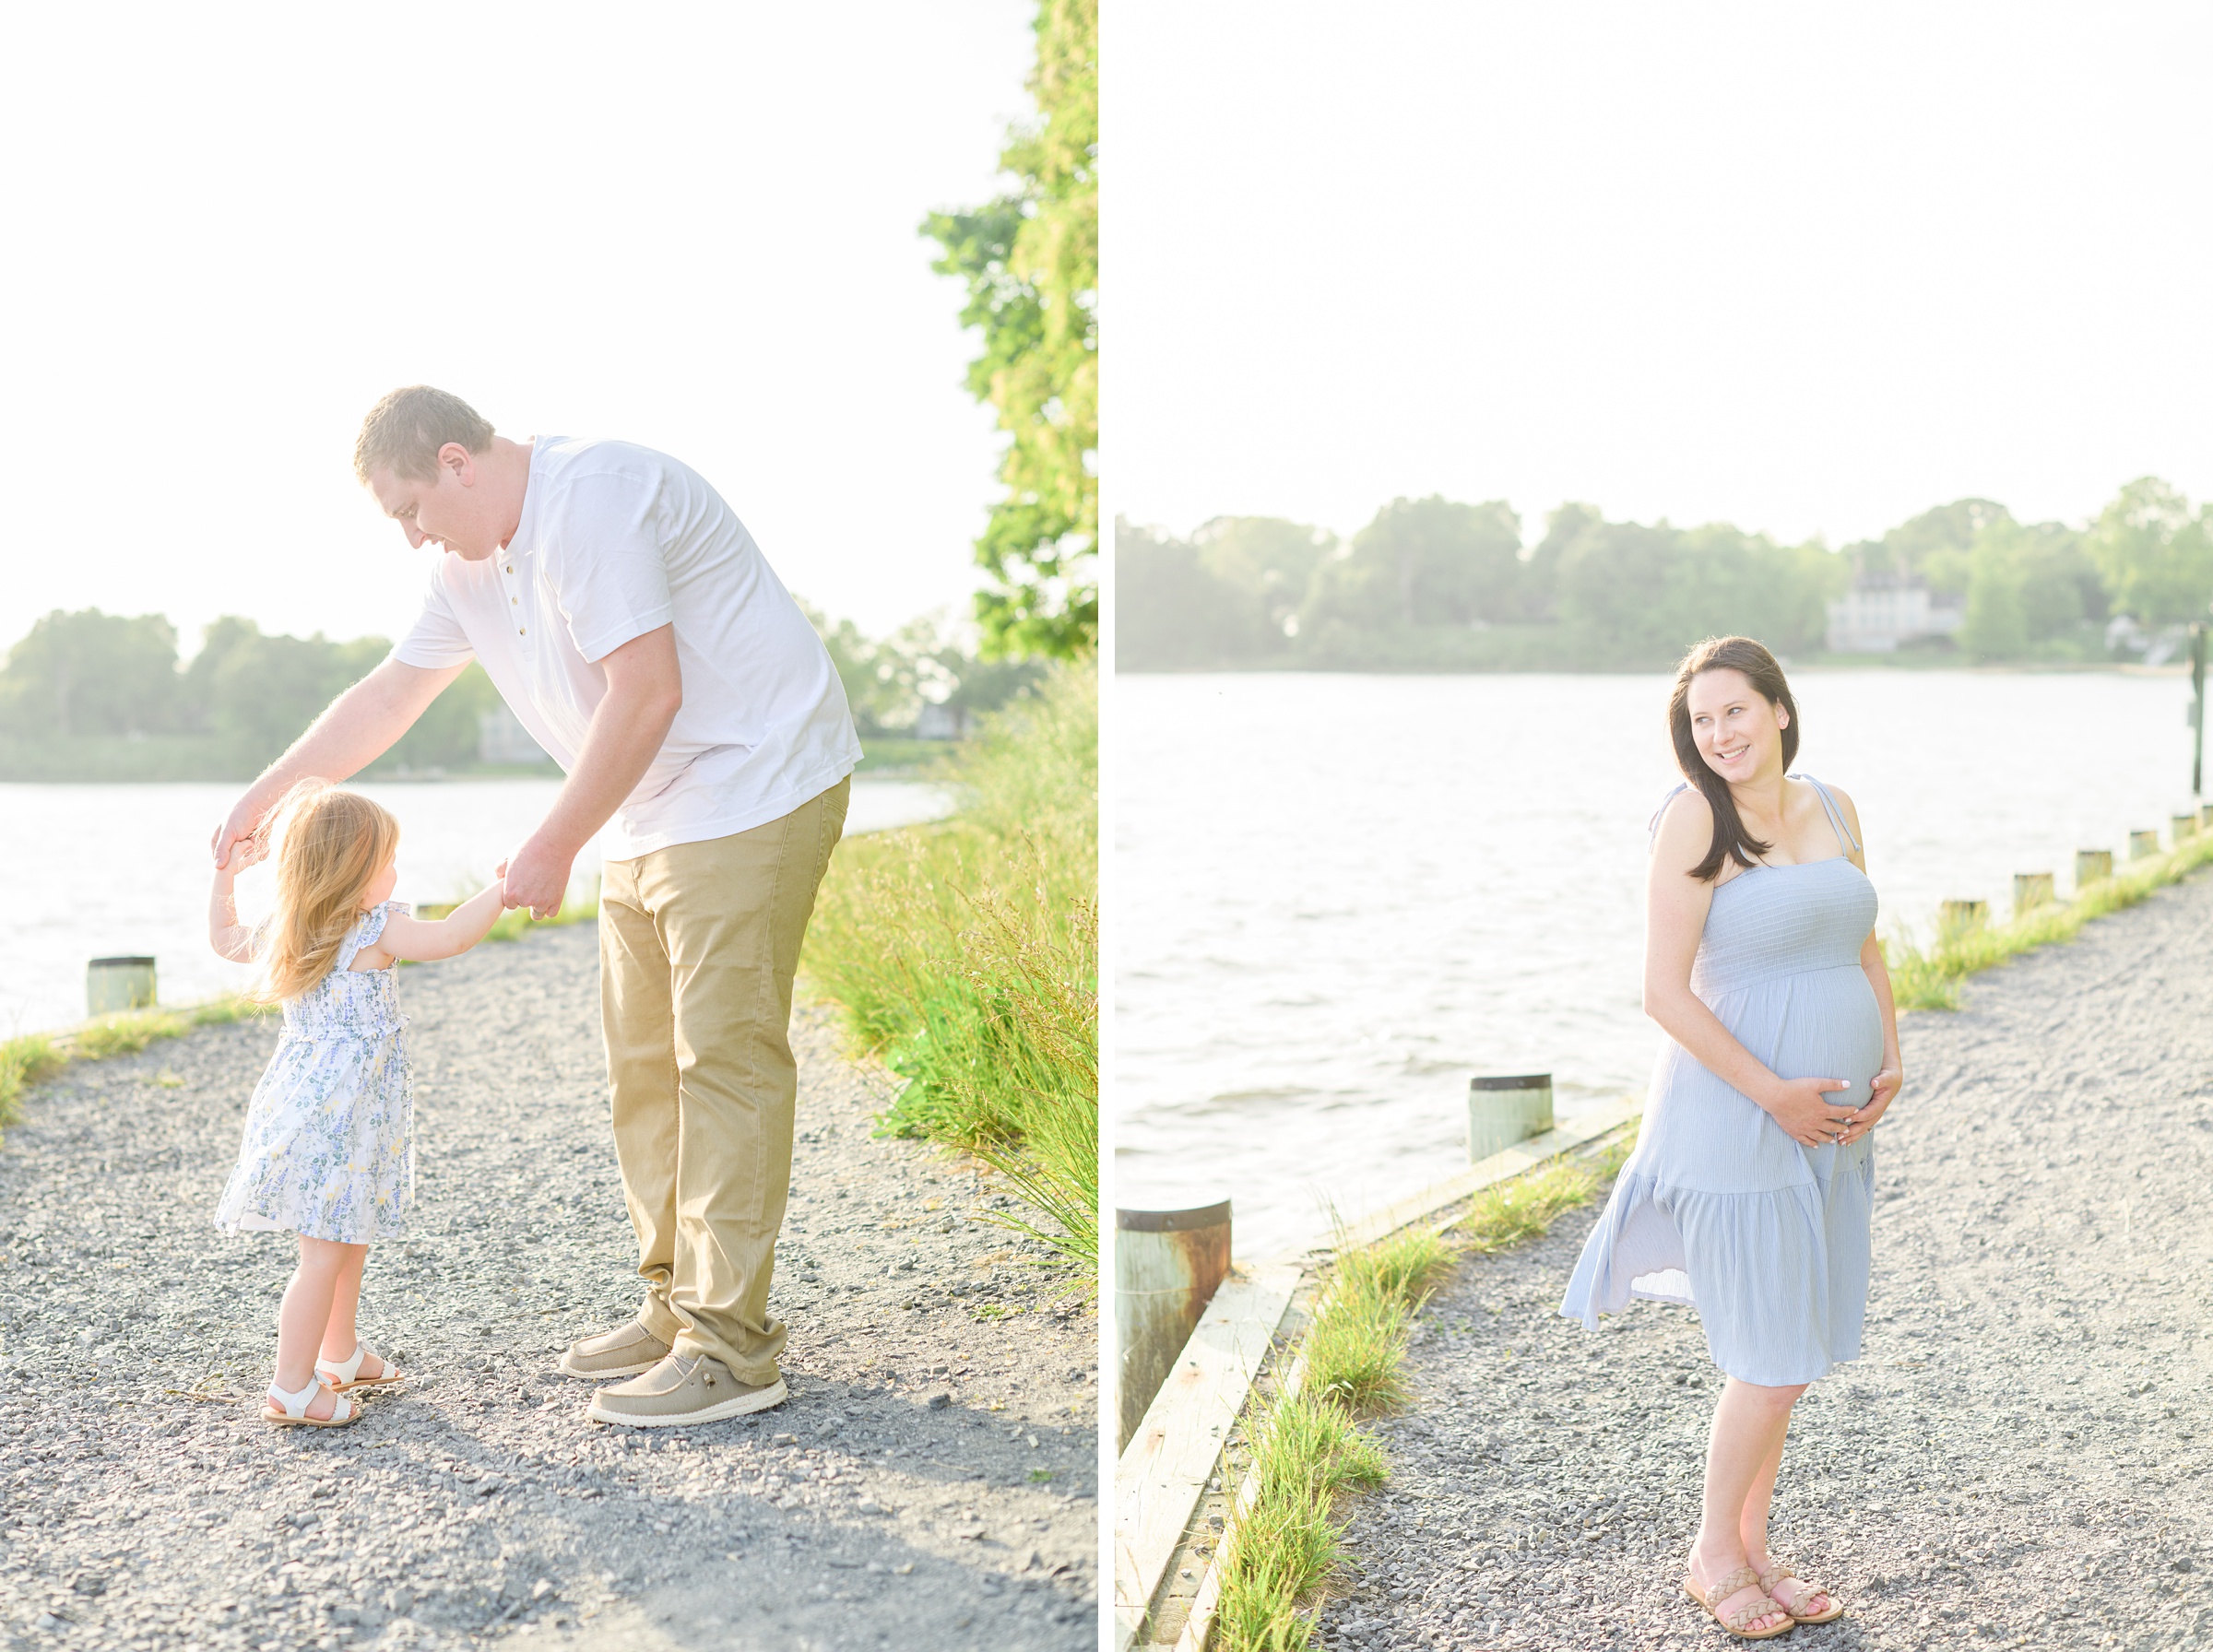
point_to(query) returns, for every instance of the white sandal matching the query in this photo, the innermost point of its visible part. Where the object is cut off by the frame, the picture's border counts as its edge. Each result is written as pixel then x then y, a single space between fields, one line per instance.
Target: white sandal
pixel 342 1375
pixel 290 1410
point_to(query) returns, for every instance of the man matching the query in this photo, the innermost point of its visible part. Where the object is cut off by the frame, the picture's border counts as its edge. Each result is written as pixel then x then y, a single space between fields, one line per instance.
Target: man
pixel 630 623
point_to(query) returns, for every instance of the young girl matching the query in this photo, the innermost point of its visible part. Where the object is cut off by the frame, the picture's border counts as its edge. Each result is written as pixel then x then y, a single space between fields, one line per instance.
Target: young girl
pixel 328 1150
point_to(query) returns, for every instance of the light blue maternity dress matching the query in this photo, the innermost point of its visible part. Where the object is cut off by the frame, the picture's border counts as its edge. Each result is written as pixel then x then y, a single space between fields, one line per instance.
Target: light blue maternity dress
pixel 330 1150
pixel 1718 1207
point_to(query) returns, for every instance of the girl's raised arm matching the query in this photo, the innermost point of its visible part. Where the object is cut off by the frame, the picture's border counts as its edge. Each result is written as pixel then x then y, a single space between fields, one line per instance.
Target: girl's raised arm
pixel 229 938
pixel 423 939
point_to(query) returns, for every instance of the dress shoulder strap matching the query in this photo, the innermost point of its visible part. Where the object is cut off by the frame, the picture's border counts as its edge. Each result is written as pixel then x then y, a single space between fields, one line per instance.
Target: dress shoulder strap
pixel 1651 827
pixel 365 934
pixel 1836 816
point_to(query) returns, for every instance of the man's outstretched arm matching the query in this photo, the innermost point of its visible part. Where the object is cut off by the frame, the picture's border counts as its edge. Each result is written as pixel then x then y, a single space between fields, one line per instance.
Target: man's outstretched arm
pixel 359 727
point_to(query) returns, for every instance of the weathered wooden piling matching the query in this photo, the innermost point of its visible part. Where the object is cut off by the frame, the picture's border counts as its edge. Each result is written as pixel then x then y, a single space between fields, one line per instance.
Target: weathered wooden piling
pixel 2031 889
pixel 1955 918
pixel 113 983
pixel 1505 1111
pixel 2093 866
pixel 2141 844
pixel 1166 1266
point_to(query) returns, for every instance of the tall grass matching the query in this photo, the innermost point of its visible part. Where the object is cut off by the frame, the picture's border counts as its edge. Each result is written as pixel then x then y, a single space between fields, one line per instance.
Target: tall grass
pixel 1930 977
pixel 966 954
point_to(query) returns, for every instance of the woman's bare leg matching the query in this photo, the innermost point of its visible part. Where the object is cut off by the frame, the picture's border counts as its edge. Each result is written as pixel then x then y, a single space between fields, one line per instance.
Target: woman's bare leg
pixel 1748 1428
pixel 1795 1594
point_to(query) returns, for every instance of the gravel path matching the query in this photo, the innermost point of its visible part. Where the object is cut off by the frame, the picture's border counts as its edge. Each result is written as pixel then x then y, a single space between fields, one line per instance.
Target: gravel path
pixel 2020 1456
pixel 930 1483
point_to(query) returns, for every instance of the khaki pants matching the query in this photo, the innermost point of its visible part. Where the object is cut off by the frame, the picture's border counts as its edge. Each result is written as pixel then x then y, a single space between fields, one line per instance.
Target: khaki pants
pixel 698 945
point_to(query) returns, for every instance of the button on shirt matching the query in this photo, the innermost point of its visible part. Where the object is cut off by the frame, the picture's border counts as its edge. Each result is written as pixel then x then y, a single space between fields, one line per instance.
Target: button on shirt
pixel 616 541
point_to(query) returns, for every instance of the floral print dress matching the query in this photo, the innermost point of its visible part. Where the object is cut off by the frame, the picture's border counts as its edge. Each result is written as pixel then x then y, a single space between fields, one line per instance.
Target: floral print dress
pixel 329 1148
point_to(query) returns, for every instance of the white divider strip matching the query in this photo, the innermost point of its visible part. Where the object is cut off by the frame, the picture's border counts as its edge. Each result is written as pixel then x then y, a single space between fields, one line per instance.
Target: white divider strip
pixel 1164 1468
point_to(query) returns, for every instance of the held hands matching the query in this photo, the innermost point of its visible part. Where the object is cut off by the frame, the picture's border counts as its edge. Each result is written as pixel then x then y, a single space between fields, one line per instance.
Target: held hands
pixel 535 876
pixel 235 832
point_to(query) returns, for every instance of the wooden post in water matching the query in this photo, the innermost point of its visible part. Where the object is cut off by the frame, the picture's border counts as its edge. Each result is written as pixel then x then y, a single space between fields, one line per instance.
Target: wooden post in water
pixel 1955 918
pixel 1166 1266
pixel 113 983
pixel 2141 844
pixel 1502 1112
pixel 2093 866
pixel 2030 890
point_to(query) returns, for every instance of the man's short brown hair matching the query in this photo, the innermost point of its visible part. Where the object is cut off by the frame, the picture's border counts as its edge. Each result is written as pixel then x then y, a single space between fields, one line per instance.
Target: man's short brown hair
pixel 404 432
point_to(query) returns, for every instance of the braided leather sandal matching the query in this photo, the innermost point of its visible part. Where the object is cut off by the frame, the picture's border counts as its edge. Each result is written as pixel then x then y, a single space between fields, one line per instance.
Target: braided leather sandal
pixel 1804 1591
pixel 1743 1578
pixel 341 1375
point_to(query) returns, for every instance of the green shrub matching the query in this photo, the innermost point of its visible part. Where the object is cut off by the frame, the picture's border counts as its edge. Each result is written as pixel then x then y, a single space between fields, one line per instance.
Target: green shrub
pixel 966 954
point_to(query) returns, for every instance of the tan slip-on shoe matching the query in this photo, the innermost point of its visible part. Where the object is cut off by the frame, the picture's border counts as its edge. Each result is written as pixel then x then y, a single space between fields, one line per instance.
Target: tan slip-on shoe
pixel 681 1390
pixel 627 1351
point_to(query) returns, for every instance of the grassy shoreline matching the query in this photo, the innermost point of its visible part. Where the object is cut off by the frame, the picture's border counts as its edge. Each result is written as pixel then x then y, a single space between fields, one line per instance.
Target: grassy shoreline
pixel 1311 1447
pixel 1930 977
pixel 963 955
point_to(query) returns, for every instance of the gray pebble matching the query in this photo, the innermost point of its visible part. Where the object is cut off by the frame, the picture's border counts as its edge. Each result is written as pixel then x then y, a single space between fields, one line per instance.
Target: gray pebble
pixel 143 1504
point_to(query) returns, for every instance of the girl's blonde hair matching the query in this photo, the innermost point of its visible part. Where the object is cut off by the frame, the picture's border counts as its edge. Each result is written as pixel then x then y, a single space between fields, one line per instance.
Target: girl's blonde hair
pixel 329 845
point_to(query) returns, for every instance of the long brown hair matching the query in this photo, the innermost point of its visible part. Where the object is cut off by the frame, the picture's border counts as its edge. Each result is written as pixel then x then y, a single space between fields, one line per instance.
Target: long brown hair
pixel 1731 841
pixel 329 845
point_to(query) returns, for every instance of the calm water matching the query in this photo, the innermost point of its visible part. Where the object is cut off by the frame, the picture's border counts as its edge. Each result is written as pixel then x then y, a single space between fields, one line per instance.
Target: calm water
pixel 96 870
pixel 1339 896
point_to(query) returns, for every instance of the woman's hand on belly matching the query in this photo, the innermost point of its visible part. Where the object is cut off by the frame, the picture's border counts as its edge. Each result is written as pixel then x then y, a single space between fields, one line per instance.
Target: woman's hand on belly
pixel 1886 1087
pixel 1810 1109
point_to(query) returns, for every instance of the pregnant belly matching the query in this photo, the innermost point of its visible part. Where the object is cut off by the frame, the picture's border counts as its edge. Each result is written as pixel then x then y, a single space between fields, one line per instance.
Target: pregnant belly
pixel 1828 1027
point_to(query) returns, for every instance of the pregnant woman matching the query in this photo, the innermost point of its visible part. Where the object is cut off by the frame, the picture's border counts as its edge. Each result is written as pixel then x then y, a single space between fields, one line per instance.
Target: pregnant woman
pixel 1748 1196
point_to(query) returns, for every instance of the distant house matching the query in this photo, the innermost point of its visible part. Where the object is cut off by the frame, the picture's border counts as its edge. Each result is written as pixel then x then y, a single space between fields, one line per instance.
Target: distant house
pixel 502 738
pixel 940 722
pixel 1882 610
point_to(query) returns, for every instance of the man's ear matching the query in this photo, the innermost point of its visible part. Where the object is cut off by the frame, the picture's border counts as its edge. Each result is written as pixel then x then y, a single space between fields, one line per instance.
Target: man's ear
pixel 453 456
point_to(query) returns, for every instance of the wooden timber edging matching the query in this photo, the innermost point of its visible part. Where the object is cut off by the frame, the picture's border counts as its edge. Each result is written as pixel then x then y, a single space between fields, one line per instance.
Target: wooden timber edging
pixel 1178 1448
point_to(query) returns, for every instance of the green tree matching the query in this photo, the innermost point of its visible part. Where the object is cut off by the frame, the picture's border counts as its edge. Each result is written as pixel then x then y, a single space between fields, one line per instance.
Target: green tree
pixel 1541 572
pixel 1637 596
pixel 258 693
pixel 446 735
pixel 1271 560
pixel 1936 546
pixel 2030 588
pixel 1173 612
pixel 1031 261
pixel 2155 555
pixel 1425 561
pixel 90 673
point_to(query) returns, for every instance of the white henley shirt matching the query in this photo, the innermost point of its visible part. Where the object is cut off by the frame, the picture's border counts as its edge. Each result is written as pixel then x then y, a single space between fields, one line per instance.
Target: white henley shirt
pixel 615 541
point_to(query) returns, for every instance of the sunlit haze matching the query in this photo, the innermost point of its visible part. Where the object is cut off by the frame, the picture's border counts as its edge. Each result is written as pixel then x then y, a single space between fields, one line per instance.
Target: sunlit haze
pixel 1806 270
pixel 688 226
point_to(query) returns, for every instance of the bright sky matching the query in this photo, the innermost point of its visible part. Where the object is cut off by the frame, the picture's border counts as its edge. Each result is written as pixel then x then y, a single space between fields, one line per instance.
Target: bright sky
pixel 1808 269
pixel 693 226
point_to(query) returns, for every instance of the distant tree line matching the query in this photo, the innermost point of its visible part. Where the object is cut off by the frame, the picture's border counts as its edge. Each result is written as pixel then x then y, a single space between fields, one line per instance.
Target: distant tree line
pixel 1436 584
pixel 96 696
